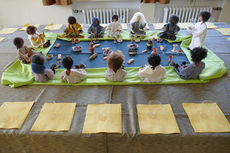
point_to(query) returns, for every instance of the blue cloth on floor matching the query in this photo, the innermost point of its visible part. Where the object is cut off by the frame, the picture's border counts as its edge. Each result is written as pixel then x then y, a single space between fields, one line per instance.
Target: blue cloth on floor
pixel 140 59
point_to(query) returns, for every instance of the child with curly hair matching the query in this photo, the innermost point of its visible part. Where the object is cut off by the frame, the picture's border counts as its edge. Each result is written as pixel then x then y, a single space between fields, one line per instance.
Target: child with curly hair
pixel 24 53
pixel 199 31
pixel 36 39
pixel 41 73
pixel 170 29
pixel 115 71
pixel 193 70
pixel 72 75
pixel 73 29
pixel 153 71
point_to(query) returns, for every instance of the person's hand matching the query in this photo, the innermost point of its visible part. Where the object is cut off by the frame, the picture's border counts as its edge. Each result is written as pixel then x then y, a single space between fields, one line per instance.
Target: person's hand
pixel 190 28
pixel 141 67
pixel 99 35
pixel 190 34
pixel 141 29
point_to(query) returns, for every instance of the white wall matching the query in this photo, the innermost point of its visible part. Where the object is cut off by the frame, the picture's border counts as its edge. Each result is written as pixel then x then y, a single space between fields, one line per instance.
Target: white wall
pixel 133 5
pixel 15 12
pixel 159 11
pixel 224 17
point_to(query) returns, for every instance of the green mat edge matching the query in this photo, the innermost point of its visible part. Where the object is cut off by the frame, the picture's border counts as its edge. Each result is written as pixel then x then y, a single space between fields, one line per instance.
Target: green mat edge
pixel 171 77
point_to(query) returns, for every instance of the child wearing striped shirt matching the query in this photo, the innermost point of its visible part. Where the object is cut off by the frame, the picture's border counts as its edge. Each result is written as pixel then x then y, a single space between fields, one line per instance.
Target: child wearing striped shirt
pixel 115 71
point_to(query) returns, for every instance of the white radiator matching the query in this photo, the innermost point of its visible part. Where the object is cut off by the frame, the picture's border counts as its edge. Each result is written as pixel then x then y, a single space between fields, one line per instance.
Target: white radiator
pixel 105 14
pixel 186 14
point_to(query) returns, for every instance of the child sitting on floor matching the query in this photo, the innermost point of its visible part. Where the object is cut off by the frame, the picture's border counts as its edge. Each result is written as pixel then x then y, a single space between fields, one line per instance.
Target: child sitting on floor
pixel 24 53
pixel 153 71
pixel 115 71
pixel 114 28
pixel 36 39
pixel 73 29
pixel 193 70
pixel 138 25
pixel 170 29
pixel 72 75
pixel 199 31
pixel 41 73
pixel 96 30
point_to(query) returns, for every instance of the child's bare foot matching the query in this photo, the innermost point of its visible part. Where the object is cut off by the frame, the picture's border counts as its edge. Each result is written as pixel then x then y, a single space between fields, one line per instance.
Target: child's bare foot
pixel 73 42
pixel 115 41
pixel 47 44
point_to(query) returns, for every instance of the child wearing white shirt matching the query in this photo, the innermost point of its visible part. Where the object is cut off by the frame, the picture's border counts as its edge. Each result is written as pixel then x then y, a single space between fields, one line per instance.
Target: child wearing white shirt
pixel 36 39
pixel 153 72
pixel 199 31
pixel 114 28
pixel 72 75
pixel 115 71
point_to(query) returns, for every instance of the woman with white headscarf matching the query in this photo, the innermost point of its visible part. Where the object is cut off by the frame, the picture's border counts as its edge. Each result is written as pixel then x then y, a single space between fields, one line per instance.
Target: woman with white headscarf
pixel 138 24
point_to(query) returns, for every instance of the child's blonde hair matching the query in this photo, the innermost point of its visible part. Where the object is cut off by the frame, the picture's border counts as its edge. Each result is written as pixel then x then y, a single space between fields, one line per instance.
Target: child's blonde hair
pixel 115 60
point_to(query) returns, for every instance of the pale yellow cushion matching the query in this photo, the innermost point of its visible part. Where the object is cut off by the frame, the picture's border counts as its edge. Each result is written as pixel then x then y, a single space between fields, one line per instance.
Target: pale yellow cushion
pixel 206 117
pixel 224 31
pixel 124 26
pixel 53 27
pixel 26 25
pixel 185 25
pixel 2 38
pixel 13 114
pixel 156 118
pixel 103 118
pixel 211 25
pixel 8 30
pixel 158 26
pixel 55 117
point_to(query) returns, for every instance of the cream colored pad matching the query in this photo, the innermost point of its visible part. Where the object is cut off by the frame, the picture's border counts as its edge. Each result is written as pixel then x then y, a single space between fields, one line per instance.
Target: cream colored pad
pixel 156 118
pixel 55 117
pixel 185 25
pixel 13 114
pixel 27 25
pixel 8 30
pixel 104 25
pixel 104 118
pixel 158 26
pixel 147 26
pixel 228 38
pixel 224 31
pixel 124 26
pixel 206 117
pixel 1 38
pixel 211 25
pixel 53 27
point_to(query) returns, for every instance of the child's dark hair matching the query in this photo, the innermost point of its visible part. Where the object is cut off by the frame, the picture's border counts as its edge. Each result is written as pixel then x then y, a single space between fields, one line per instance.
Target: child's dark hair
pixel 198 54
pixel 175 18
pixel 154 60
pixel 67 62
pixel 72 20
pixel 115 17
pixel 205 15
pixel 31 30
pixel 38 59
pixel 18 42
pixel 115 60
